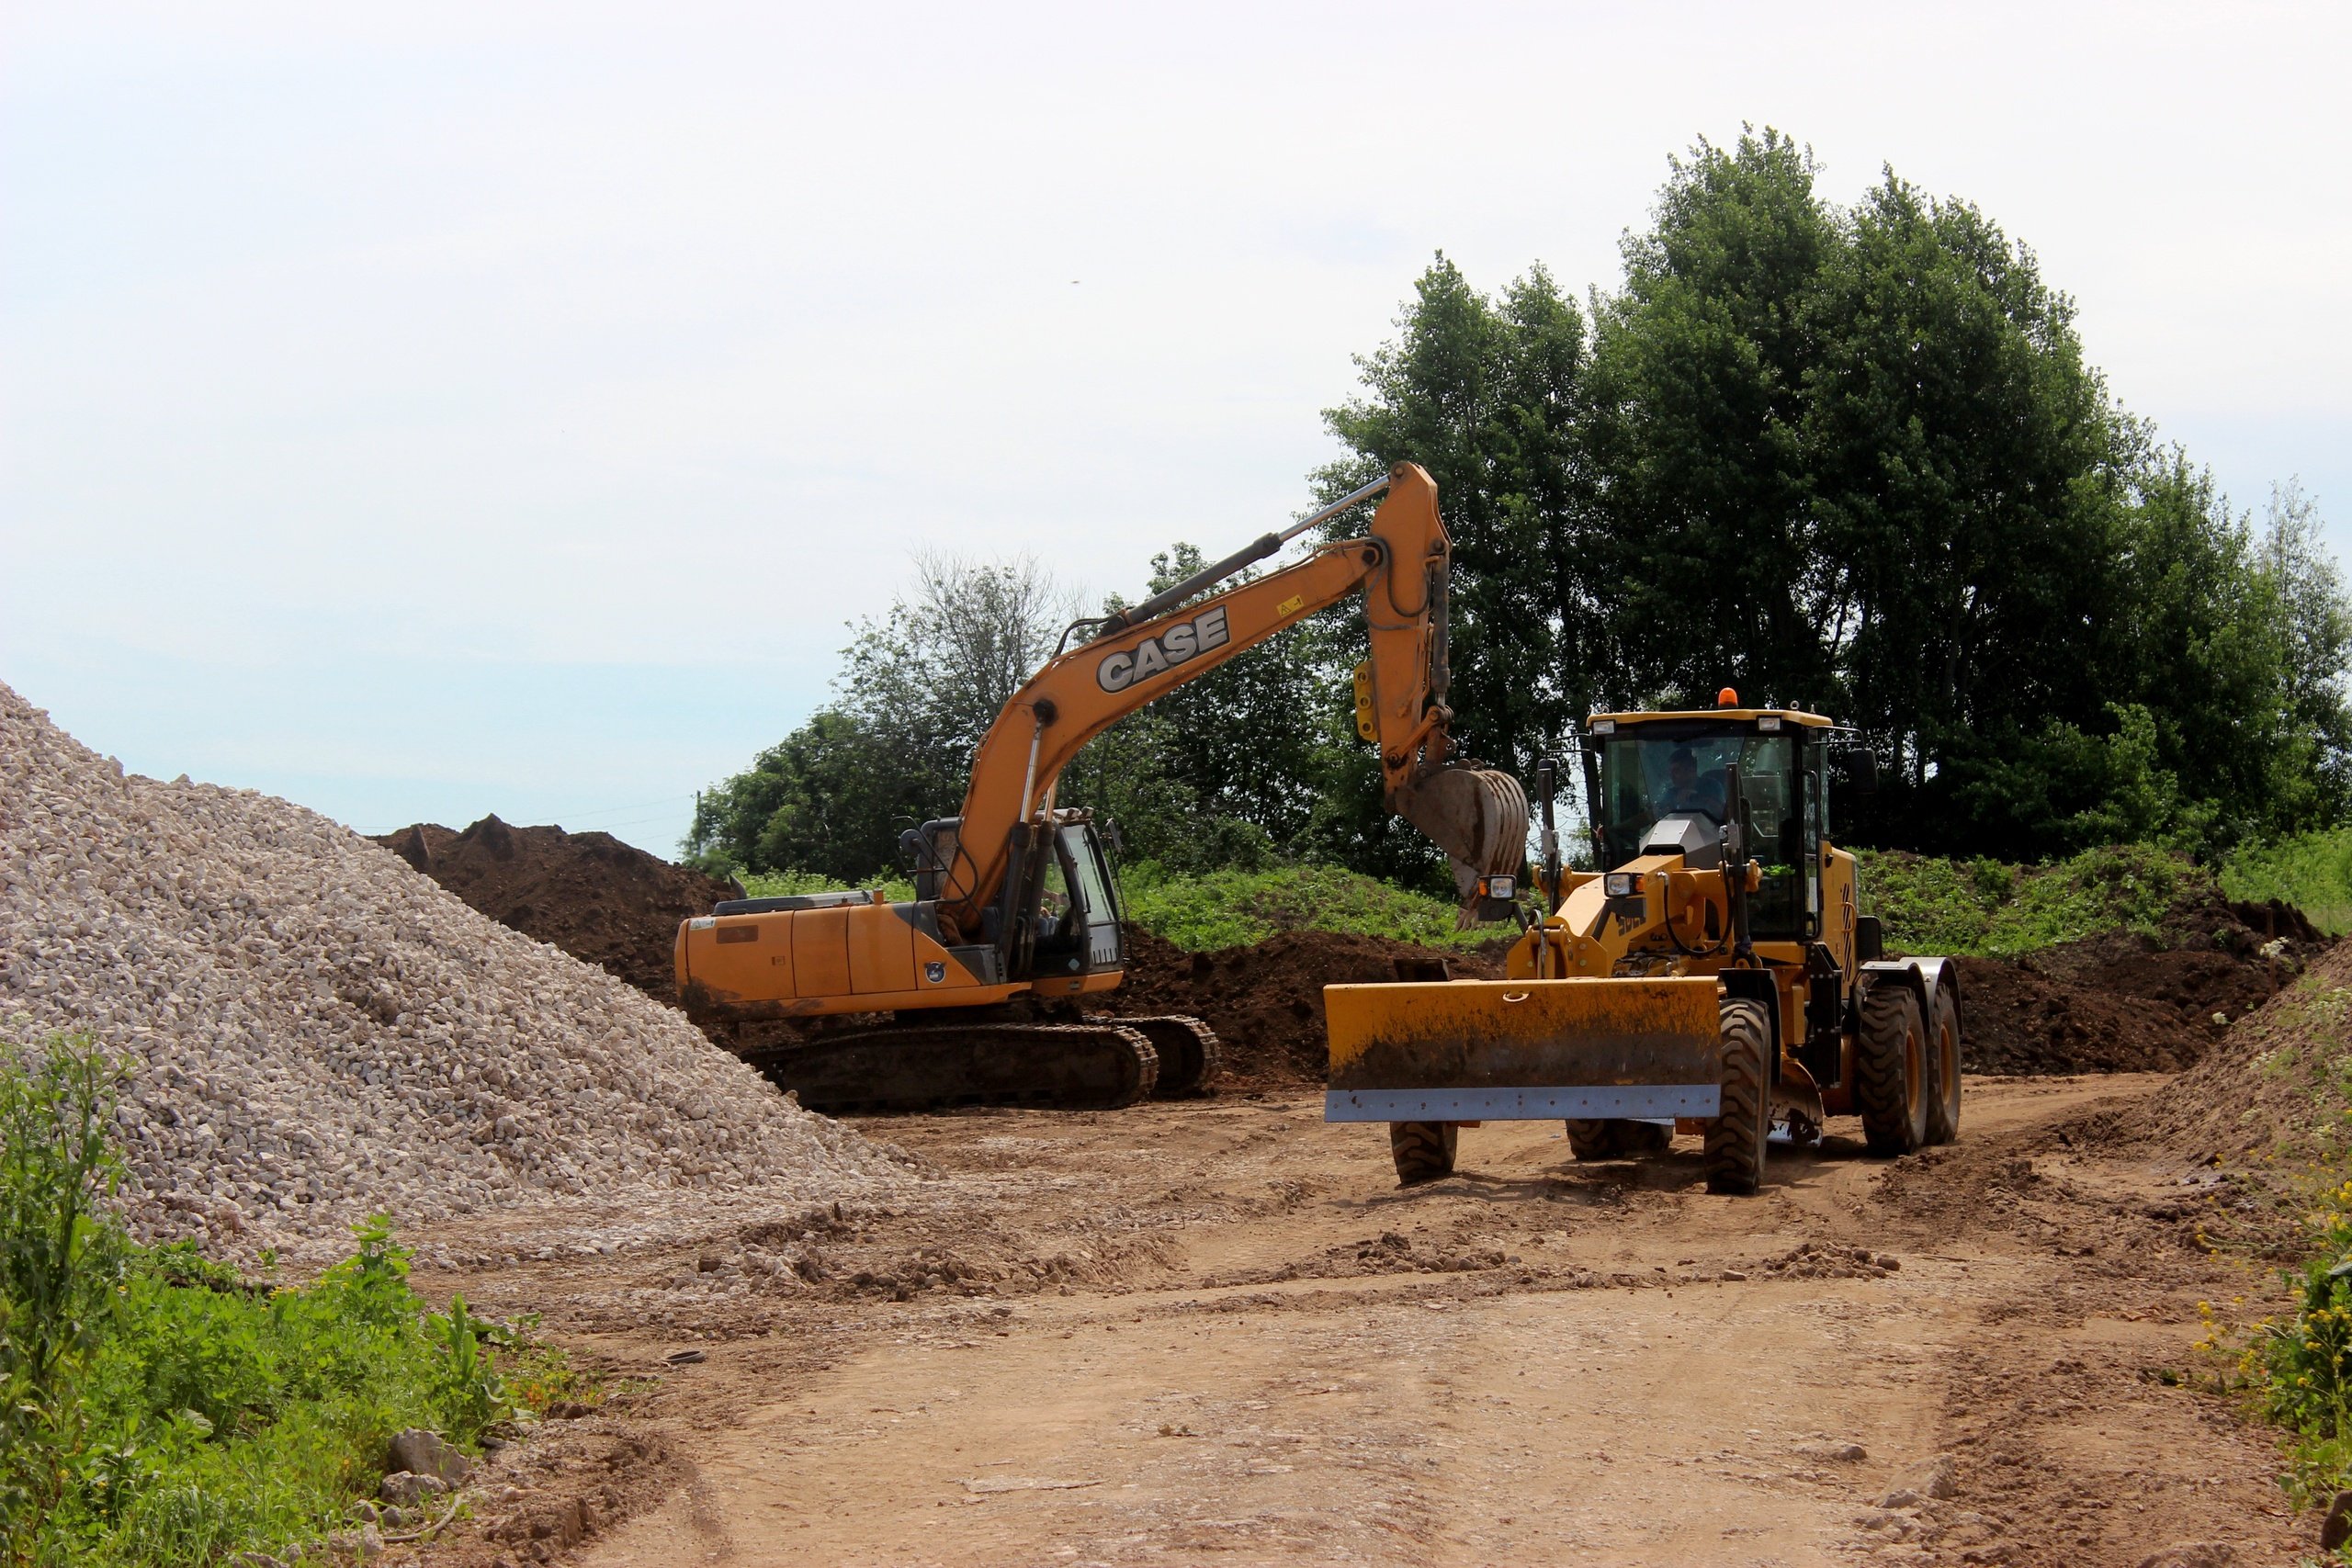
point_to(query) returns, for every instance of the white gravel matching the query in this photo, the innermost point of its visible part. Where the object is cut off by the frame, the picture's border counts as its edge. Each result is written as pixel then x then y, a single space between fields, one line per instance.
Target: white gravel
pixel 317 1034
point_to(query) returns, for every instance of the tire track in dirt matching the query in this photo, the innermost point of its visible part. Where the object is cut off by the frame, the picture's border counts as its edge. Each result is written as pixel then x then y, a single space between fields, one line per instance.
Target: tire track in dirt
pixel 1273 1355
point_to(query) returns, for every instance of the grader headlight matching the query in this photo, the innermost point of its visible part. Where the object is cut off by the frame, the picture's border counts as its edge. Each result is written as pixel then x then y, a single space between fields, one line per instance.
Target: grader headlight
pixel 1623 885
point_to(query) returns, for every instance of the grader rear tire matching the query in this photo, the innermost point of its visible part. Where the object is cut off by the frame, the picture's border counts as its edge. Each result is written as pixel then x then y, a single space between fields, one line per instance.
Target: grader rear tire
pixel 1735 1137
pixel 1891 1071
pixel 1943 1062
pixel 1617 1139
pixel 1423 1150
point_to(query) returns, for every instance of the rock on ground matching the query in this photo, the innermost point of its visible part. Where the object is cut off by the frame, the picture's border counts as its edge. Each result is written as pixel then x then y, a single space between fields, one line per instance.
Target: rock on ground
pixel 316 1033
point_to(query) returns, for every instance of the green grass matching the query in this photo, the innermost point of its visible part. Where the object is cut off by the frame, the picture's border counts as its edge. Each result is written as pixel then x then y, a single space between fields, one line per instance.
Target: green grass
pixel 1991 908
pixel 790 884
pixel 1230 909
pixel 163 1410
pixel 2310 870
pixel 1981 908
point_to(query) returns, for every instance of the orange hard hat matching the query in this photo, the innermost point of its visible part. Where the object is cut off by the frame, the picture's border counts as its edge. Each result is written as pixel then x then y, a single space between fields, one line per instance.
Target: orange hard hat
pixel 1726 698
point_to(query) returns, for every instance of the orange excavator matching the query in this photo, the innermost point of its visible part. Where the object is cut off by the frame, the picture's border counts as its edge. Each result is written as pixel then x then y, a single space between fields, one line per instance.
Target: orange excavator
pixel 975 990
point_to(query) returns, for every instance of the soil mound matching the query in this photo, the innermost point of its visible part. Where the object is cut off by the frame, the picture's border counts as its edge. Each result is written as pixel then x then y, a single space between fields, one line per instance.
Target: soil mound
pixel 600 900
pixel 1265 1001
pixel 2275 1080
pixel 2117 1003
pixel 2129 1003
pixel 314 1034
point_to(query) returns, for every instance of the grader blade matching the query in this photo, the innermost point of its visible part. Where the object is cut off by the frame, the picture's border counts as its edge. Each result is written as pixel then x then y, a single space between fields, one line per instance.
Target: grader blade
pixel 1523 1050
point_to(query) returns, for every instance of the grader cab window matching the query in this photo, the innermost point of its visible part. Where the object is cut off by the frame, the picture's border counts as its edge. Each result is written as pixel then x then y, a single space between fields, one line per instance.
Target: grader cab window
pixel 1644 777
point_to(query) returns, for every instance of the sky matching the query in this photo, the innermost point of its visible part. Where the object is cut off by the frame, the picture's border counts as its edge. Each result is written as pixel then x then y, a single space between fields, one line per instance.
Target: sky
pixel 432 411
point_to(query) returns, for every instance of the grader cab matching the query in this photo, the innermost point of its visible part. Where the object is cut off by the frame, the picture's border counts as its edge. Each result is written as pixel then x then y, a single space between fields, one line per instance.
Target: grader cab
pixel 1715 976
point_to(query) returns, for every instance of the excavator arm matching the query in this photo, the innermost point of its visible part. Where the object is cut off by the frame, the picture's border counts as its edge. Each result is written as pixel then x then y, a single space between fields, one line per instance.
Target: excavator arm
pixel 1476 815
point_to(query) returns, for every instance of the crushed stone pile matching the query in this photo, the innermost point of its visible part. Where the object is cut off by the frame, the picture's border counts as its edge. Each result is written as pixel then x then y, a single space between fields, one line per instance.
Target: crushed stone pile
pixel 316 1033
pixel 600 900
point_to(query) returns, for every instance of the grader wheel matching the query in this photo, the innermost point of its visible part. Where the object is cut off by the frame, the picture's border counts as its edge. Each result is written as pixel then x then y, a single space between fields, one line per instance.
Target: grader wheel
pixel 1423 1150
pixel 1943 1058
pixel 1891 1067
pixel 1735 1137
pixel 1616 1139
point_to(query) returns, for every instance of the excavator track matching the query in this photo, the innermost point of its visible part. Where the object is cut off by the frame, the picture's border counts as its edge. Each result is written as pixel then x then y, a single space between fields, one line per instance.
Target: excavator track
pixel 1190 1058
pixel 1096 1065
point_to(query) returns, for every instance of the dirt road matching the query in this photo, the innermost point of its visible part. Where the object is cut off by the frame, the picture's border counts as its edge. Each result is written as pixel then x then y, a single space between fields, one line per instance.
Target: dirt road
pixel 1218 1331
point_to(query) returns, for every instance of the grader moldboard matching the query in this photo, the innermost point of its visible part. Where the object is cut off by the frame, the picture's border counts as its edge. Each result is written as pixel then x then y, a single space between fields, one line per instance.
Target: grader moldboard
pixel 1717 979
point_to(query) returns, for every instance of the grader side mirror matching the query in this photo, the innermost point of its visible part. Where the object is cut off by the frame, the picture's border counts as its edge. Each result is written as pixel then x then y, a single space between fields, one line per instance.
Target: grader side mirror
pixel 1861 768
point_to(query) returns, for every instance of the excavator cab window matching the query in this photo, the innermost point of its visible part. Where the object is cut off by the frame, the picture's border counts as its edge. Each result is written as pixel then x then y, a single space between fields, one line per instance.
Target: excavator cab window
pixel 1078 917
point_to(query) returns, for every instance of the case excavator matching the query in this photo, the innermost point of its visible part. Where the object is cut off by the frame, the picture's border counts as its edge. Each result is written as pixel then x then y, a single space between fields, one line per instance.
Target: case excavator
pixel 977 990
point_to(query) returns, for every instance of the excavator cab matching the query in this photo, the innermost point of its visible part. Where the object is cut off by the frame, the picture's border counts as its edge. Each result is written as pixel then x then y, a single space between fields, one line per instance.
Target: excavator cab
pixel 1064 913
pixel 1077 912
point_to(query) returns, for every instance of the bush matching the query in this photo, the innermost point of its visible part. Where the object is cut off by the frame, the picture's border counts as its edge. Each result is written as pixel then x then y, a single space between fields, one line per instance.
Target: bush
pixel 1231 908
pixel 792 884
pixel 164 1410
pixel 1988 908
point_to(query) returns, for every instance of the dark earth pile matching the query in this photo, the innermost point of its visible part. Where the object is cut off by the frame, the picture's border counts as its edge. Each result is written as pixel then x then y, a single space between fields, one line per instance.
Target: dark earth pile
pixel 2122 1002
pixel 1265 1001
pixel 2276 1082
pixel 2125 1002
pixel 589 894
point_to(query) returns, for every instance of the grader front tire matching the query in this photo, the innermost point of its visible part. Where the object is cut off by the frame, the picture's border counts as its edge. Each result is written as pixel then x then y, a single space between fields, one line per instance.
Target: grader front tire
pixel 1891 1071
pixel 1423 1150
pixel 1735 1138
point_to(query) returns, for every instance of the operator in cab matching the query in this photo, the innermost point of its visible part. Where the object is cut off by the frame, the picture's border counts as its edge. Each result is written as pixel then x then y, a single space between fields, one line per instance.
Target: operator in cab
pixel 1685 791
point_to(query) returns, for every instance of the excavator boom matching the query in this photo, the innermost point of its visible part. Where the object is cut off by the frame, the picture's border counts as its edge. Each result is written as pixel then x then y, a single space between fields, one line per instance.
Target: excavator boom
pixel 1476 815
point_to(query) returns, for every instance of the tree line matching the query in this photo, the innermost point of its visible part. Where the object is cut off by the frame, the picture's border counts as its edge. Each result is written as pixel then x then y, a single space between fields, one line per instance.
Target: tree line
pixel 1844 458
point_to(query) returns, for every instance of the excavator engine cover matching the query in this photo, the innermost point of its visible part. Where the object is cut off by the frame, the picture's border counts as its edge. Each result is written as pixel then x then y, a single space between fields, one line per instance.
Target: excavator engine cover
pixel 1524 1050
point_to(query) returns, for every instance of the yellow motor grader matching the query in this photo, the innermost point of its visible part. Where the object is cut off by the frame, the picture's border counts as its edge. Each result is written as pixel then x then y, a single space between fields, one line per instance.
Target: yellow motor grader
pixel 1715 976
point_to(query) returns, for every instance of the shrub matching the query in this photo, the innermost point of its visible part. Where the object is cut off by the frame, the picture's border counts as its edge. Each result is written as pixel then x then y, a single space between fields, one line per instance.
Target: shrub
pixel 162 1408
pixel 1230 909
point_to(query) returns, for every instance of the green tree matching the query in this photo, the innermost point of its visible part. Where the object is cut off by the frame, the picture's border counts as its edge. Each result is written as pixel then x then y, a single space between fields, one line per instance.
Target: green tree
pixel 917 690
pixel 1704 527
pixel 1222 770
pixel 1483 393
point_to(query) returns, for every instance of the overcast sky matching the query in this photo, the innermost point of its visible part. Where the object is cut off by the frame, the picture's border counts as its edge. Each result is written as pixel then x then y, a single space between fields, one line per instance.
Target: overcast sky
pixel 443 409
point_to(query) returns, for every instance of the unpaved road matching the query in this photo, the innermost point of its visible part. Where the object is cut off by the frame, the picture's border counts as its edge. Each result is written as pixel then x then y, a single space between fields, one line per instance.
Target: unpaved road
pixel 1218 1331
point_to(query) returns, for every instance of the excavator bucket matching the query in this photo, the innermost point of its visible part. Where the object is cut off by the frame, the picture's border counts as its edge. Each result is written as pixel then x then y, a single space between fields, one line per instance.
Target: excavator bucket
pixel 1479 817
pixel 1523 1050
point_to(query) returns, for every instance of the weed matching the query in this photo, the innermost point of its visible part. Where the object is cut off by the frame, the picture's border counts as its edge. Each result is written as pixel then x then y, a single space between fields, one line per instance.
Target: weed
pixel 792 884
pixel 163 1409
pixel 1988 908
